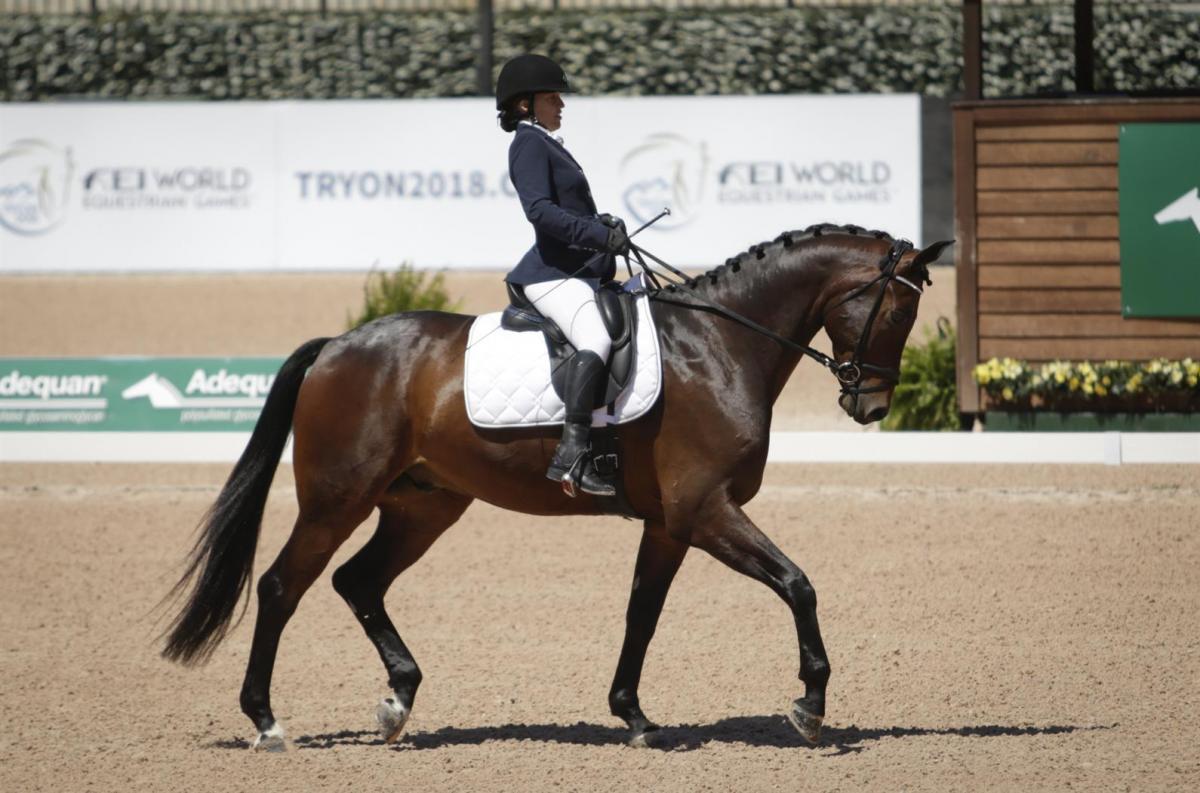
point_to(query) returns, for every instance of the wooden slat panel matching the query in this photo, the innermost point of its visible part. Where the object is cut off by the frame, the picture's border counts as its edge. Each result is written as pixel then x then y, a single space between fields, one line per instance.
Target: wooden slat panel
pixel 1071 153
pixel 1049 132
pixel 967 292
pixel 1041 301
pixel 1048 178
pixel 1042 275
pixel 1057 111
pixel 1050 202
pixel 1049 227
pixel 1085 326
pixel 1088 349
pixel 1039 251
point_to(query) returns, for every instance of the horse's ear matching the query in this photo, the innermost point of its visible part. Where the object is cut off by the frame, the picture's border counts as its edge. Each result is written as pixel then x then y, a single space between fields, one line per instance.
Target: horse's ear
pixel 930 254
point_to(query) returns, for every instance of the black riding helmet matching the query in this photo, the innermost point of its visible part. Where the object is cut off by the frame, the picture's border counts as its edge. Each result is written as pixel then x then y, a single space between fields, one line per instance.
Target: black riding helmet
pixel 529 74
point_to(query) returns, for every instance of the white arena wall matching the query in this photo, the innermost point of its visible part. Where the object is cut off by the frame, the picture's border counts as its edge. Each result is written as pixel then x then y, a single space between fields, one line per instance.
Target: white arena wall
pixel 347 185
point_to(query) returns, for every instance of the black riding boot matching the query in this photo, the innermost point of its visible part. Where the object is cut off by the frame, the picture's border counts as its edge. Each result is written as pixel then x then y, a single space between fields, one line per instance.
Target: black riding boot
pixel 571 464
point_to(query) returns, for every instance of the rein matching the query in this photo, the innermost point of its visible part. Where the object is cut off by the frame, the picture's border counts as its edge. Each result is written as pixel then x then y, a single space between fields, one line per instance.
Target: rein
pixel 850 374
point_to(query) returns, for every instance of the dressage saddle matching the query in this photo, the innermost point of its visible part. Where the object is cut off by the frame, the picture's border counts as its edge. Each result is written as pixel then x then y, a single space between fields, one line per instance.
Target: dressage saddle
pixel 619 314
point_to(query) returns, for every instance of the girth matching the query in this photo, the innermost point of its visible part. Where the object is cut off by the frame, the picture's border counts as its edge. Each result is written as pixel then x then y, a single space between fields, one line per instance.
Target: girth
pixel 618 313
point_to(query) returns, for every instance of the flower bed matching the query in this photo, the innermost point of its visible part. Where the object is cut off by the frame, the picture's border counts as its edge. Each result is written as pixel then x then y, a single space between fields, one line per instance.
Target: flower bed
pixel 1154 386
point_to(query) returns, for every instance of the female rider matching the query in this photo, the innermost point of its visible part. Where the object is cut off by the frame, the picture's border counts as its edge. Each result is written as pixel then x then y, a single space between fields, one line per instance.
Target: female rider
pixel 561 272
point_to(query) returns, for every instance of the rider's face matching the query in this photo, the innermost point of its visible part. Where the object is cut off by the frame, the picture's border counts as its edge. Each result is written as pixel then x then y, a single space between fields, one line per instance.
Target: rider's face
pixel 547 109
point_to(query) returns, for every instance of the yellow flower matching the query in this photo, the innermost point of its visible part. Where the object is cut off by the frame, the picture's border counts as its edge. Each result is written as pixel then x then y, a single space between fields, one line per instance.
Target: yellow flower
pixel 1074 384
pixel 1007 393
pixel 1101 390
pixel 1106 380
pixel 1087 388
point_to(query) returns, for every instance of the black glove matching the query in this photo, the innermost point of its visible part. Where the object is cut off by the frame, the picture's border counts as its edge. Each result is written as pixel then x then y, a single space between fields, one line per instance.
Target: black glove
pixel 612 221
pixel 618 241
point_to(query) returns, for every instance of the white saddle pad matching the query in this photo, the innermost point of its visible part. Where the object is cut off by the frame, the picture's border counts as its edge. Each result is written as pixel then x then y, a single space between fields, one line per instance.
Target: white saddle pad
pixel 507 377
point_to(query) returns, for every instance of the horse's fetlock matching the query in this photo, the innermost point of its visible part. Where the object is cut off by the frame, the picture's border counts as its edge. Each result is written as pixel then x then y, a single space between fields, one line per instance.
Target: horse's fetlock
pixel 254 703
pixel 818 673
pixel 622 700
pixel 405 684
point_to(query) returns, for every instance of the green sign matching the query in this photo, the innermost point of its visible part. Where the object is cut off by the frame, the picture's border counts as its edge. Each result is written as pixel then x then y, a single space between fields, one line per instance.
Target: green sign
pixel 1159 175
pixel 133 394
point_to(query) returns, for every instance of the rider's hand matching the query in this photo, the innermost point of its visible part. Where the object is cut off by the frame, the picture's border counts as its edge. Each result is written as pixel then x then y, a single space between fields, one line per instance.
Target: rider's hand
pixel 612 221
pixel 618 241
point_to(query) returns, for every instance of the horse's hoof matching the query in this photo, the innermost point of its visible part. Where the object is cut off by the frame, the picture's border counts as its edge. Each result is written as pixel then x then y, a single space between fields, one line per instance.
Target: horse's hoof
pixel 806 723
pixel 271 740
pixel 392 716
pixel 644 738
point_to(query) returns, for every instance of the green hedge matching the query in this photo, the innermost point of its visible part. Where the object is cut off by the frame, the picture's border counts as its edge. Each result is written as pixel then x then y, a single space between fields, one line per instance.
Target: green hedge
pixel 272 56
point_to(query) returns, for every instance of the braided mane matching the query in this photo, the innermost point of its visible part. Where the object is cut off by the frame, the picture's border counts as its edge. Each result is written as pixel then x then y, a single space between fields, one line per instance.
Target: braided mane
pixel 787 239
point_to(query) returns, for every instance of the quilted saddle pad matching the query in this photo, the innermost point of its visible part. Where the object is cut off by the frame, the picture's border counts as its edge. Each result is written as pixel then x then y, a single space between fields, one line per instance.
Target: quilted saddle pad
pixel 507 377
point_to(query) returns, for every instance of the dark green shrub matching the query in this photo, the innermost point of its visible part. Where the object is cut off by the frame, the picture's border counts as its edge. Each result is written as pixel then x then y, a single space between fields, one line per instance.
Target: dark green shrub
pixel 695 51
pixel 405 289
pixel 925 399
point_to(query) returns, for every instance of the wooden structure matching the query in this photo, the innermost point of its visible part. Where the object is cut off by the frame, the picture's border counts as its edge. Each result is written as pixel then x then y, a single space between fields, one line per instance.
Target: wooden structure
pixel 1038 254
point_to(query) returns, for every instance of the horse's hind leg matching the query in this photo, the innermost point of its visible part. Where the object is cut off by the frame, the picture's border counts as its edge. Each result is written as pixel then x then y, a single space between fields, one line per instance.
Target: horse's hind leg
pixel 408 525
pixel 658 560
pixel 730 536
pixel 302 559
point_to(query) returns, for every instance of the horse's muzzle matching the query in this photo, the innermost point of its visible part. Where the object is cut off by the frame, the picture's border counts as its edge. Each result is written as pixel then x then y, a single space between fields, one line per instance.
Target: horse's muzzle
pixel 867 408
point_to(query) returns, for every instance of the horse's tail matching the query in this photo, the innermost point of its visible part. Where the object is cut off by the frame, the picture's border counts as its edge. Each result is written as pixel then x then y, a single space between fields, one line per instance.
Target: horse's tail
pixel 223 556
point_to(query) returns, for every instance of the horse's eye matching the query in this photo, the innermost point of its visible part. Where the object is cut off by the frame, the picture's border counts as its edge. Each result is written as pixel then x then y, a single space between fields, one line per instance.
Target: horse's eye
pixel 899 317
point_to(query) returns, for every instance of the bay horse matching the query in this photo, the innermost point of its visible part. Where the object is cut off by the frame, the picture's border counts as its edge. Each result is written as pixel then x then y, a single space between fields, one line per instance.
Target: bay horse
pixel 379 422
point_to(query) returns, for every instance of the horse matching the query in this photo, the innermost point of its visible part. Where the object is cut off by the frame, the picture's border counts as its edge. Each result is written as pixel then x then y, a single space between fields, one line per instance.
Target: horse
pixel 378 420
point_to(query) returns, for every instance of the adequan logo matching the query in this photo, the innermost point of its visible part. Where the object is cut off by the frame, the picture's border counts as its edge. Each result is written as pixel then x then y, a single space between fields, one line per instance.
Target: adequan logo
pixel 35 179
pixel 1186 207
pixel 220 389
pixel 665 170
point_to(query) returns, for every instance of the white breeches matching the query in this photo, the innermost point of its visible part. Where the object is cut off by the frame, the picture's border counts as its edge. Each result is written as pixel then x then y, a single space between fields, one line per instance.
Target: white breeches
pixel 571 304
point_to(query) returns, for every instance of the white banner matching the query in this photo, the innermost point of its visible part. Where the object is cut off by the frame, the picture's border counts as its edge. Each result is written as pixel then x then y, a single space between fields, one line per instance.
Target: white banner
pixel 352 185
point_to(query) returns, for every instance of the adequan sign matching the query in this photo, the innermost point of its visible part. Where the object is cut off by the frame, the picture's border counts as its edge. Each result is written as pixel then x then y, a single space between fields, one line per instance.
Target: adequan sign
pixel 1159 175
pixel 133 394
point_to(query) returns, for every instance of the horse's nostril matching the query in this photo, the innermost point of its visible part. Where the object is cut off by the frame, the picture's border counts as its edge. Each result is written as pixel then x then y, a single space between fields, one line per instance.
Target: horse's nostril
pixel 877 414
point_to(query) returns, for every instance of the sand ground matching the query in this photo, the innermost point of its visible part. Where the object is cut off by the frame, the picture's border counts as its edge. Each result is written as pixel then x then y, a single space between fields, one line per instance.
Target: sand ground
pixel 990 628
pixel 239 314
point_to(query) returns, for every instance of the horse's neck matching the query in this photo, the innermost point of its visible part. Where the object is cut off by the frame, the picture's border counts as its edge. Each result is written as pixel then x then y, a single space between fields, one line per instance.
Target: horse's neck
pixel 783 292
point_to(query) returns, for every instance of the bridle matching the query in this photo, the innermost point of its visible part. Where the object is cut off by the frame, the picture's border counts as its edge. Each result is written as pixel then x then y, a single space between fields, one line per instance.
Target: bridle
pixel 850 374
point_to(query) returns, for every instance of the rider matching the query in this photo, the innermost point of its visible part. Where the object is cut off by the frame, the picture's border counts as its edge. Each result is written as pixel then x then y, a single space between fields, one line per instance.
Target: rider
pixel 561 272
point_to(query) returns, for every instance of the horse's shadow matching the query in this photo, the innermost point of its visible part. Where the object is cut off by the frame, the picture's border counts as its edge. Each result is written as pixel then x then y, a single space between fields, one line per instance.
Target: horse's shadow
pixel 760 731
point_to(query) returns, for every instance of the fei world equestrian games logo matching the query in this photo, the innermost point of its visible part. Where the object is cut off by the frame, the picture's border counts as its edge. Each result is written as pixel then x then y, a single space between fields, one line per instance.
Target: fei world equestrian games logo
pixel 35 179
pixel 665 170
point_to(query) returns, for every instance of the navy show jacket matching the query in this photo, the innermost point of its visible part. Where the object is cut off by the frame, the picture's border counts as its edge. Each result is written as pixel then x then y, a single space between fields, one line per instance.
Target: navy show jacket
pixel 558 202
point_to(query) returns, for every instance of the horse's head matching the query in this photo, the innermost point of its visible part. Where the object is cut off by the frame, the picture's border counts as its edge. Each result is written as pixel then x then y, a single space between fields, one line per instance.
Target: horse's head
pixel 870 310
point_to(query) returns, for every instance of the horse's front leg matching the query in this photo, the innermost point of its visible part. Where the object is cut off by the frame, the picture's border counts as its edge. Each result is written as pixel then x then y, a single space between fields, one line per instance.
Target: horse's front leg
pixel 721 528
pixel 658 560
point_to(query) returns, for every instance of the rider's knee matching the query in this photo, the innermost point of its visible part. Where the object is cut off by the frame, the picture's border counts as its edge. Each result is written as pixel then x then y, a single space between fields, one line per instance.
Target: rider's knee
pixel 593 337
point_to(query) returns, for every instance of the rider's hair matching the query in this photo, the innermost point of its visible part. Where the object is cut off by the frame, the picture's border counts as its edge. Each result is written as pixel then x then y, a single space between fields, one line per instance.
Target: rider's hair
pixel 511 114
